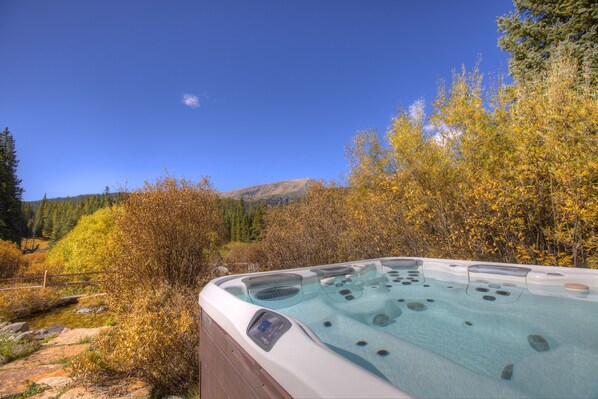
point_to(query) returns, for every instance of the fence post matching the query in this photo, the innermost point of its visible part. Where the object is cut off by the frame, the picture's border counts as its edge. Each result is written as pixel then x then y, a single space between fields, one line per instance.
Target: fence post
pixel 45 282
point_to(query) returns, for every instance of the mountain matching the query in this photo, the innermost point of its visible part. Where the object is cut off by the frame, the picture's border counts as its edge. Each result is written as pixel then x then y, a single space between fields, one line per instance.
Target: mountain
pixel 281 192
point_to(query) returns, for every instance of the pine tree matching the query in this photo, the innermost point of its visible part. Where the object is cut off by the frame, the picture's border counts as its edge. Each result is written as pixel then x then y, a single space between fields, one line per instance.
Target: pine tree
pixel 40 218
pixel 106 201
pixel 10 190
pixel 257 221
pixel 539 29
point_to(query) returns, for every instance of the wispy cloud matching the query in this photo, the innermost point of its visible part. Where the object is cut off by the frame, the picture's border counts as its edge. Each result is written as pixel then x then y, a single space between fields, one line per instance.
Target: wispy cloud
pixel 190 100
pixel 441 133
pixel 417 110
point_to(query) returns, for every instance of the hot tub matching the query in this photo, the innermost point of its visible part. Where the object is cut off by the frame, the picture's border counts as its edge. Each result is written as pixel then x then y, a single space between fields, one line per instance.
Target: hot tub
pixel 399 328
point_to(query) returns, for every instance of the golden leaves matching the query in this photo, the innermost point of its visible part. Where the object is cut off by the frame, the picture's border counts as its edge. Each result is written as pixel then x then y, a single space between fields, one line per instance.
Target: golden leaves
pixel 515 182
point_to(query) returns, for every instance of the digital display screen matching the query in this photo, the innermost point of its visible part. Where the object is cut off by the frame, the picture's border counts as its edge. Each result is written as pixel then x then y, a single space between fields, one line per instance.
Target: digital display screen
pixel 264 325
pixel 266 328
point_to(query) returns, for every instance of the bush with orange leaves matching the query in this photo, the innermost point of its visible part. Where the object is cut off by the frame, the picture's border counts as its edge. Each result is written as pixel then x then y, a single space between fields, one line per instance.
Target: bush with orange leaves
pixel 11 259
pixel 164 238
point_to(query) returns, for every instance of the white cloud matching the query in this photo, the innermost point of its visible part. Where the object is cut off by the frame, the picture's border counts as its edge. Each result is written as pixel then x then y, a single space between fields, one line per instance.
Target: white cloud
pixel 191 100
pixel 441 133
pixel 417 110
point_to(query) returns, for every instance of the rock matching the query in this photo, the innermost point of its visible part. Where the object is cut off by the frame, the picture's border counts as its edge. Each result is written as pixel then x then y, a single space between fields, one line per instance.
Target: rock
pixel 14 328
pixel 507 372
pixel 27 335
pixel 118 390
pixel 52 355
pixel 55 382
pixel 55 329
pixel 68 300
pixel 538 342
pixel 14 381
pixel 92 309
pixel 46 332
pixel 82 392
pixel 75 336
pixel 221 271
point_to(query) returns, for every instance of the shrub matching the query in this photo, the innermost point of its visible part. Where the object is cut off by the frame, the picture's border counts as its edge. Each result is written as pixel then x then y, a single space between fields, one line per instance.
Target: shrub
pixel 87 247
pixel 22 302
pixel 308 232
pixel 167 233
pixel 507 174
pixel 158 342
pixel 164 238
pixel 242 253
pixel 89 366
pixel 11 258
pixel 36 263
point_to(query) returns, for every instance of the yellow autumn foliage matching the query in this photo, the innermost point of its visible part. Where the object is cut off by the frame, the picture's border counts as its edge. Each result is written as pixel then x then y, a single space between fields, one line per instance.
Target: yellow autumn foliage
pixel 87 247
pixel 11 258
pixel 165 236
pixel 508 174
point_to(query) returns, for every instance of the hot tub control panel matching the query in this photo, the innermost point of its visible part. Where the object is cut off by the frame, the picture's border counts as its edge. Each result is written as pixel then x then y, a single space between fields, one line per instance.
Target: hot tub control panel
pixel 266 328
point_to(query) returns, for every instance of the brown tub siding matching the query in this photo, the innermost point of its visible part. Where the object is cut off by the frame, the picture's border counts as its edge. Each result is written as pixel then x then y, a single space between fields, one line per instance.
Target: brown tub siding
pixel 227 370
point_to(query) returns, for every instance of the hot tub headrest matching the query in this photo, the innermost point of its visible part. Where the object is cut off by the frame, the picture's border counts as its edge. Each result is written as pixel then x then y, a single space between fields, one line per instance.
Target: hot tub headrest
pixel 270 280
pixel 502 270
pixel 332 271
pixel 401 263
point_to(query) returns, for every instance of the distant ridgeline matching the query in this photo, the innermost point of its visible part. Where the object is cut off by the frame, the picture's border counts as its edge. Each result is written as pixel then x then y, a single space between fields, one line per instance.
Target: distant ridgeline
pixel 54 218
pixel 243 210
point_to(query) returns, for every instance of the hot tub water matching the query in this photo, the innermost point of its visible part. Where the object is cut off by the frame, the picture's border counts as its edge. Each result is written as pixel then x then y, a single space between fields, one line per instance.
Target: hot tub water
pixel 438 338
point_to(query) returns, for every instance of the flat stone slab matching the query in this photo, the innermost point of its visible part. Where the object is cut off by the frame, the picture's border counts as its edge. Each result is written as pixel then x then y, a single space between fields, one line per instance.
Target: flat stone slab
pixel 54 386
pixel 132 389
pixel 54 382
pixel 15 381
pixel 75 336
pixel 46 367
pixel 46 356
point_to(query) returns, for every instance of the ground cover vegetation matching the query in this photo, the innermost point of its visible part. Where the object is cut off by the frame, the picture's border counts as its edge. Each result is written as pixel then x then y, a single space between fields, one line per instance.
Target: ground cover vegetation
pixel 496 172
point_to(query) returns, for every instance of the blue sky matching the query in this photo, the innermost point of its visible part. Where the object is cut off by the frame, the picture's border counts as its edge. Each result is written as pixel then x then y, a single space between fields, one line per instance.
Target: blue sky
pixel 109 93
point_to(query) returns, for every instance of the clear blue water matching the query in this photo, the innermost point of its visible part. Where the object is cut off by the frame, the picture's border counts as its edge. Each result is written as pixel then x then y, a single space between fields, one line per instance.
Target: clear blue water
pixel 440 339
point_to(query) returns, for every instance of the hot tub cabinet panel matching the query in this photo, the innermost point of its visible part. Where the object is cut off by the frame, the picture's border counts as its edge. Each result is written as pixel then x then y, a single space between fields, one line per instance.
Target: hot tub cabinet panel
pixel 227 370
pixel 401 328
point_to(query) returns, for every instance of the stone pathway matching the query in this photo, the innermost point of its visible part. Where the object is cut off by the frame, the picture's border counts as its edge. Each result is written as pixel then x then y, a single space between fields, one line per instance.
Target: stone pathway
pixel 46 367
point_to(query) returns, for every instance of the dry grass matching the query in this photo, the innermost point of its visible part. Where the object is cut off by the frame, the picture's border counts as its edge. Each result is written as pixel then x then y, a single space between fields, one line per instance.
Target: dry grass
pixel 242 252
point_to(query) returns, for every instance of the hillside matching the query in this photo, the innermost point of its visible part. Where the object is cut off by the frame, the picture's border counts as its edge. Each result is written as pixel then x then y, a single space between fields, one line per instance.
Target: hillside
pixel 273 193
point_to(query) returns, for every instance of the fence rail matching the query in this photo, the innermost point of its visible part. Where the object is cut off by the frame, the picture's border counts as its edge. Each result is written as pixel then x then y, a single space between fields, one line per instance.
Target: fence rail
pixel 48 280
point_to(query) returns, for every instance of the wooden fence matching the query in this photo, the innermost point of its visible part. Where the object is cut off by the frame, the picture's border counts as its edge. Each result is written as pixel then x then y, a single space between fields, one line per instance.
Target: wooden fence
pixel 49 280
